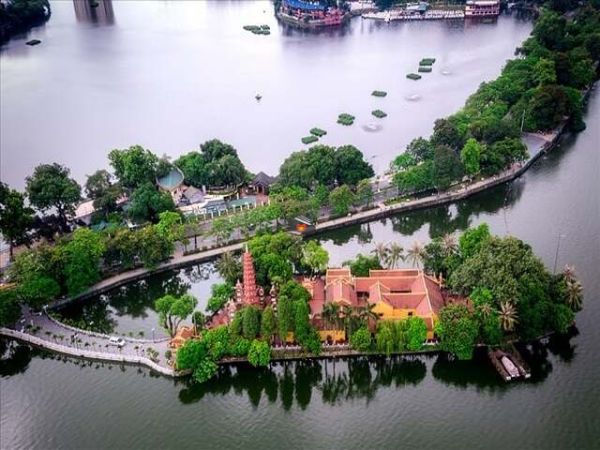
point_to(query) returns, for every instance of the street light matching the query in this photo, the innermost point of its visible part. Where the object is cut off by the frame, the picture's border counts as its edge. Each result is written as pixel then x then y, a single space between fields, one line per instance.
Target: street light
pixel 153 333
pixel 560 236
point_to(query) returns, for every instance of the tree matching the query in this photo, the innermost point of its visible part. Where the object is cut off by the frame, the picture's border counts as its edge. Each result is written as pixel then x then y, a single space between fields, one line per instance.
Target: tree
pixel 103 192
pixel 395 255
pixel 508 316
pixel 361 266
pixel 545 72
pixel 447 134
pixel 199 320
pixel 172 310
pixel 50 187
pixel 152 246
pixel 259 354
pixel 194 355
pixel 315 257
pixel 341 199
pixel 331 315
pixel 416 254
pixel 381 251
pixel 250 322
pixel 268 325
pixel 170 226
pixel 458 330
pixel 10 310
pixel 361 339
pixel 470 156
pixel 37 290
pixel 384 338
pixel 417 333
pixel 134 166
pixel 193 166
pixel 214 150
pixel 420 149
pixel 574 294
pixel 350 166
pixel 229 267
pixel 226 171
pixel 471 241
pixel 285 317
pixel 147 203
pixel 364 192
pixel 82 260
pixel 16 219
pixel 447 167
pixel 301 321
pixel 220 294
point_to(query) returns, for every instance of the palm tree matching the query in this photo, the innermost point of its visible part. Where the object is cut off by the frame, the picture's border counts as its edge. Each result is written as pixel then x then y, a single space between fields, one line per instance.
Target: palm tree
pixel 395 254
pixel 229 267
pixel 508 316
pixel 331 314
pixel 381 251
pixel 449 244
pixel 569 273
pixel 415 254
pixel 574 294
pixel 486 310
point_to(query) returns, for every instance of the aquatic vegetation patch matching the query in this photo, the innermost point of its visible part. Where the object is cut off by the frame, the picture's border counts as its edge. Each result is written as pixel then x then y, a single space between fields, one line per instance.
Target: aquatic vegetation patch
pixel 413 76
pixel 427 62
pixel 309 139
pixel 318 132
pixel 346 119
pixel 258 29
pixel 378 93
pixel 379 113
pixel 425 69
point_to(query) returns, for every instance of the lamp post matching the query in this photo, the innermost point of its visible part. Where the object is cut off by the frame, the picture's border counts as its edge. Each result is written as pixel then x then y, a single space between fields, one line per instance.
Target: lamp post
pixel 153 333
pixel 560 236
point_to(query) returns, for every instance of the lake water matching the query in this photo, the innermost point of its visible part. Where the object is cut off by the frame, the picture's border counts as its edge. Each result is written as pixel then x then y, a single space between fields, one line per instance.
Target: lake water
pixel 171 75
pixel 48 402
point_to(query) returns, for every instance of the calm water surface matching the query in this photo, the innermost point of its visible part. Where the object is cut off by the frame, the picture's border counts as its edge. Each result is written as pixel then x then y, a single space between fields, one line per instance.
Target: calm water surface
pixel 48 402
pixel 170 75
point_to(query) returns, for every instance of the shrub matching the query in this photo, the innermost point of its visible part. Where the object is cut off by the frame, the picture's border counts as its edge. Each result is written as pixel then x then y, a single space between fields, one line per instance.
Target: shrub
pixel 379 114
pixel 259 353
pixel 413 76
pixel 361 339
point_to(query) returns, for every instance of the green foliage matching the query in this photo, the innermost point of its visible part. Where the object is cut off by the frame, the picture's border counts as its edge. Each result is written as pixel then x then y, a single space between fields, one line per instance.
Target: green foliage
pixel 427 62
pixel 259 354
pixel 274 255
pixel 250 322
pixel 361 339
pixel 470 156
pixel 193 166
pixel 153 247
pixel 50 187
pixel 229 267
pixel 345 119
pixel 16 219
pixel 341 199
pixel 457 330
pixel 471 241
pixel 309 139
pixel 170 226
pixel 172 310
pixel 10 310
pixel 134 166
pixel 82 256
pixel 315 257
pixel 446 167
pixel 194 355
pixel 416 178
pixel 360 266
pixel 416 333
pixel 350 166
pixel 364 193
pixel 379 113
pixel 103 192
pixel 285 316
pixel 218 342
pixel 220 294
pixel 268 324
pixel 147 203
pixel 301 321
pixel 318 132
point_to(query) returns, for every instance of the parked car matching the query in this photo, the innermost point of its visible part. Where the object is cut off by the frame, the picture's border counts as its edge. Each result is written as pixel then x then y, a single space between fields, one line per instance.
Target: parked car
pixel 119 342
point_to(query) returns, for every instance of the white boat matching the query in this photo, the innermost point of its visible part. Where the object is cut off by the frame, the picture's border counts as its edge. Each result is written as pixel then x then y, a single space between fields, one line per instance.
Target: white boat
pixel 510 367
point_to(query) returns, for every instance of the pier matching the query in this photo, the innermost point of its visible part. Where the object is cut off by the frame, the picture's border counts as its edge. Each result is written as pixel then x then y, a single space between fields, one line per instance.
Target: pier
pixel 509 363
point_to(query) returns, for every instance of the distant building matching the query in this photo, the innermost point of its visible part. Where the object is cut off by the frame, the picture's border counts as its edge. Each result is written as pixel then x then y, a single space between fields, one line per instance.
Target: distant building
pixel 261 183
pixel 482 8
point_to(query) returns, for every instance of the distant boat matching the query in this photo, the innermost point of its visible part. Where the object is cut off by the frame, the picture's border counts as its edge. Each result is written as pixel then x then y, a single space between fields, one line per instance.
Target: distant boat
pixel 510 367
pixel 33 42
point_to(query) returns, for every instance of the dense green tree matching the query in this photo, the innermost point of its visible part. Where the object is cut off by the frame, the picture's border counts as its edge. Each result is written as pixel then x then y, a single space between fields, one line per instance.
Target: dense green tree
pixel 447 167
pixel 82 256
pixel 545 72
pixel 315 257
pixel 229 267
pixel 446 133
pixel 147 202
pixel 361 265
pixel 194 355
pixel 103 192
pixel 170 226
pixel 268 324
pixel 350 166
pixel 301 321
pixel 250 322
pixel 16 219
pixel 416 179
pixel 214 150
pixel 285 316
pixel 364 193
pixel 259 354
pixel 361 339
pixel 420 150
pixel 384 338
pixel 193 165
pixel 220 294
pixel 10 310
pixel 471 241
pixel 172 310
pixel 134 166
pixel 38 289
pixel 416 333
pixel 51 188
pixel 18 16
pixel 470 156
pixel 227 171
pixel 153 247
pixel 457 330
pixel 218 341
pixel 341 199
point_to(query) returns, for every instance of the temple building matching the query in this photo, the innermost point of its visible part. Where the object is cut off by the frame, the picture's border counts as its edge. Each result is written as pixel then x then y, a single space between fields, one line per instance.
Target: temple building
pixel 394 294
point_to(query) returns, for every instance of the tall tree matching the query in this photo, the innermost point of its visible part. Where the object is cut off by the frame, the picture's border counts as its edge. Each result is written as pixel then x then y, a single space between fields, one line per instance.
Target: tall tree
pixel 134 166
pixel 315 257
pixel 147 203
pixel 50 187
pixel 268 325
pixel 82 260
pixel 341 199
pixel 447 167
pixel 172 310
pixel 16 219
pixel 470 156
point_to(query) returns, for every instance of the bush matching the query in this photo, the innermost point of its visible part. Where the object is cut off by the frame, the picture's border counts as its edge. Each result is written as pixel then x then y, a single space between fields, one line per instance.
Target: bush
pixel 413 76
pixel 378 93
pixel 309 139
pixel 379 114
pixel 361 340
pixel 259 354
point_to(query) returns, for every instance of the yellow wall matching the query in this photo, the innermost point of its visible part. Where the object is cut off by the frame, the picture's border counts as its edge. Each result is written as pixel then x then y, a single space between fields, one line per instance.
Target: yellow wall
pixel 336 335
pixel 387 312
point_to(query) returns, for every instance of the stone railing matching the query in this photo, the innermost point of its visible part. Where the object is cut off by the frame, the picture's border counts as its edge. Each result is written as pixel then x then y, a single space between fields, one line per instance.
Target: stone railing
pixel 88 354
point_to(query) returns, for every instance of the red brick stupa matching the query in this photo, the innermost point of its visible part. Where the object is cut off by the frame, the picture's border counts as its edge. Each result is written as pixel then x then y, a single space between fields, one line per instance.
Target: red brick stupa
pixel 249 296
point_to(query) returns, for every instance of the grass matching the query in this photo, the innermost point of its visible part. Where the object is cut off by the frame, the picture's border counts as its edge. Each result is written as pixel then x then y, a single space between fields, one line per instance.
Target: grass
pixel 318 132
pixel 425 69
pixel 413 76
pixel 379 93
pixel 427 62
pixel 379 114
pixel 309 139
pixel 346 119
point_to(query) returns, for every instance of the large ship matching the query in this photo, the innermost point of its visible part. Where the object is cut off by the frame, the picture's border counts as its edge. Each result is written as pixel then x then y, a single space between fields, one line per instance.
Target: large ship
pixel 482 8
pixel 310 14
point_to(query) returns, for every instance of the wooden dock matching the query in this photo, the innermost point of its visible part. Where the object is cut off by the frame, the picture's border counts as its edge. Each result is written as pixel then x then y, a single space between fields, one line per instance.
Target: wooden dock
pixel 514 357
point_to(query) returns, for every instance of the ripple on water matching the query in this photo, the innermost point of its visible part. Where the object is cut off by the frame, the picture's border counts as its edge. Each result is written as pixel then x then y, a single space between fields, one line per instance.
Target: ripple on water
pixel 413 97
pixel 372 127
